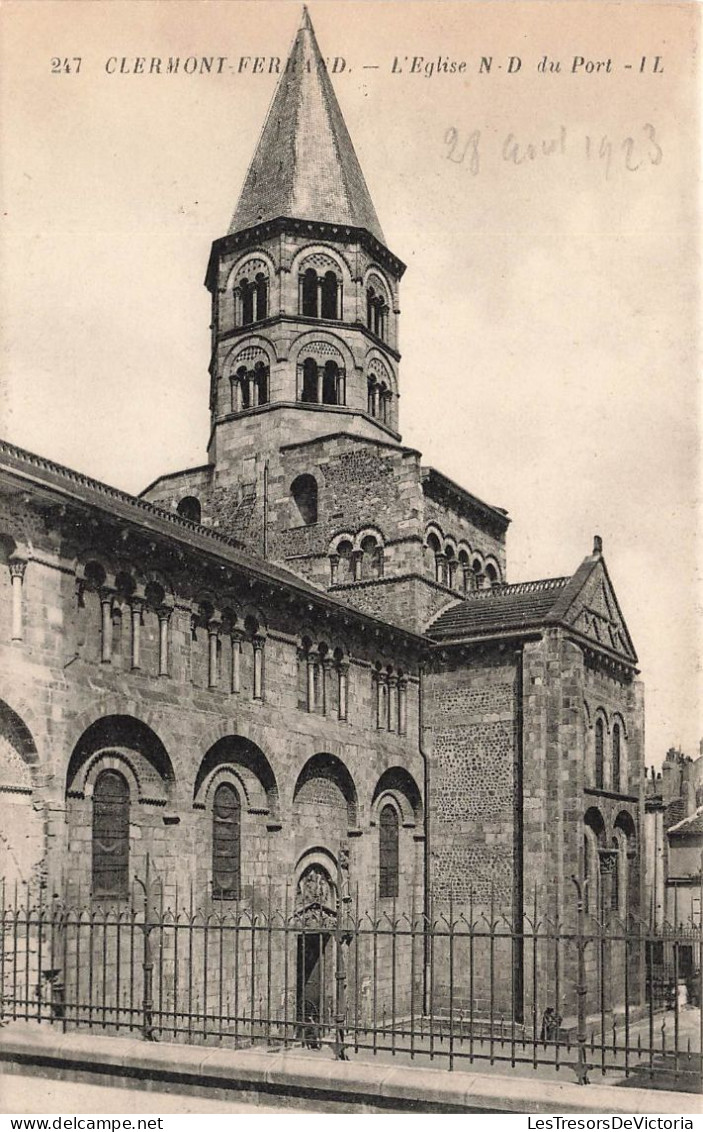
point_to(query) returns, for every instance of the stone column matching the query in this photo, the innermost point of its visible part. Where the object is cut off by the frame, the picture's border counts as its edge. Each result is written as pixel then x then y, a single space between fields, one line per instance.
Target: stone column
pixel 356 558
pixel 17 569
pixel 340 300
pixel 343 674
pixel 213 637
pixel 236 638
pixel 164 615
pixel 258 644
pixel 325 664
pixel 311 661
pixel 136 616
pixel 320 371
pixel 342 388
pixel 392 702
pixel 319 298
pixel 300 294
pixel 106 598
pixel 334 565
pixel 402 706
pixel 381 701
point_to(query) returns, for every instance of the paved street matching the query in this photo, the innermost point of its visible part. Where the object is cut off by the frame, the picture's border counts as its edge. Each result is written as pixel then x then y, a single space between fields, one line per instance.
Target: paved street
pixel 21 1094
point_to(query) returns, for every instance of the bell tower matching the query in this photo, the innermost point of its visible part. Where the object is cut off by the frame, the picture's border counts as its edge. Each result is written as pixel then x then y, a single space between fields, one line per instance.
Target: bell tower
pixel 304 290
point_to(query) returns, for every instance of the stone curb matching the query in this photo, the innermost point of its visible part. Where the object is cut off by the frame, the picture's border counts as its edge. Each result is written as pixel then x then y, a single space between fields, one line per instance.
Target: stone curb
pixel 399 1088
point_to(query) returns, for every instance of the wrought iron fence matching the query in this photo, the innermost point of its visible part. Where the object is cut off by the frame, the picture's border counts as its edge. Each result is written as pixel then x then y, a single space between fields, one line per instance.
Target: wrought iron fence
pixel 462 986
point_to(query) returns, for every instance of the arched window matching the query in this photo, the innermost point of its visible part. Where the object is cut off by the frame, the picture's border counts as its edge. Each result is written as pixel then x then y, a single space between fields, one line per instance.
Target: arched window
pixel 599 741
pixel 261 379
pixel 451 566
pixel 491 574
pixel 189 508
pixel 616 757
pixel 242 379
pixel 111 835
pixel 304 492
pixel 309 293
pixel 247 291
pixel 330 383
pixel 388 853
pixel 329 295
pixel 376 312
pixel 309 390
pixel 226 843
pixel 371 558
pixel 261 285
pixel 435 561
pixel 465 575
pixel 345 569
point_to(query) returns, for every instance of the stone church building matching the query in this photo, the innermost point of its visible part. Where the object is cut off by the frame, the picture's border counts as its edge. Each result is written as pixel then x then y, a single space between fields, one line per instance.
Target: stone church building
pixel 306 653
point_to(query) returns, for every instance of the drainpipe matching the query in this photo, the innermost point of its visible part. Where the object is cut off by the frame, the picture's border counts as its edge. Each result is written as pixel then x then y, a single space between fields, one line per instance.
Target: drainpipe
pixel 426 905
pixel 266 509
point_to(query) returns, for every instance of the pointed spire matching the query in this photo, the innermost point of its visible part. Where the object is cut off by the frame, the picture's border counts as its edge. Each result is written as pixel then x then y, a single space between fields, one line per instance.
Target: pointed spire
pixel 305 165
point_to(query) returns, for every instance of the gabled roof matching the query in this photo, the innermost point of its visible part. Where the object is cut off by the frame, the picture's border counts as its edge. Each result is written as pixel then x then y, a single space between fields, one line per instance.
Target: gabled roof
pixel 585 603
pixel 500 608
pixel 305 166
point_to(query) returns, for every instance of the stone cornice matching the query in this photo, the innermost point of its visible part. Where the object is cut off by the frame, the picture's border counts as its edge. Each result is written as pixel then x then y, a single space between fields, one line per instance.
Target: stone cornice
pixel 440 484
pixel 64 487
pixel 316 229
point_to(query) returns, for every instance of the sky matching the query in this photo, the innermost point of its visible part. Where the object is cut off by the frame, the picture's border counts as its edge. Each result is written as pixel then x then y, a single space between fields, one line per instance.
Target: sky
pixel 547 218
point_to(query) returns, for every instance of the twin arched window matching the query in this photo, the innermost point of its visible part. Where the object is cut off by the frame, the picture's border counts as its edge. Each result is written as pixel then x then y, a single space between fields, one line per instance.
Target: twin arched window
pixel 226 843
pixel 250 387
pixel 322 384
pixel 388 856
pixel 376 313
pixel 379 400
pixel 320 296
pixel 251 299
pixel 110 870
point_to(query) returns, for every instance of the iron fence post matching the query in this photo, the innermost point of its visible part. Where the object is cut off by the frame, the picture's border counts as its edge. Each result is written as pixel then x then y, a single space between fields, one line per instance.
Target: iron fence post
pixel 582 1065
pixel 340 968
pixel 147 886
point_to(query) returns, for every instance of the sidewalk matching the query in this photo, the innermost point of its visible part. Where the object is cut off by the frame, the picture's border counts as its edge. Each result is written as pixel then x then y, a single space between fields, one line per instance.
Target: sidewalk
pixel 296 1081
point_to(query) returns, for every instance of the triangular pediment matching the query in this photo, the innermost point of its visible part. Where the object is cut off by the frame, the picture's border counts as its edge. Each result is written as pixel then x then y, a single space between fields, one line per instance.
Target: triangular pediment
pixel 592 609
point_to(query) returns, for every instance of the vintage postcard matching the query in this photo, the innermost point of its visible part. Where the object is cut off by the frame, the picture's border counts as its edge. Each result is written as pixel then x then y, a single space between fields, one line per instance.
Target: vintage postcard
pixel 349 705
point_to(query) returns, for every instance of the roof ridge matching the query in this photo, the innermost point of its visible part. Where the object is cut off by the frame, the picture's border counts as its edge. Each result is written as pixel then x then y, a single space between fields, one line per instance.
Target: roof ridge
pixel 537 586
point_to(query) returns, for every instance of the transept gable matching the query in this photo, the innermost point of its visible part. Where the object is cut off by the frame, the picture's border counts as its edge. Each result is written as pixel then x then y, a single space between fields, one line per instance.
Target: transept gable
pixel 589 605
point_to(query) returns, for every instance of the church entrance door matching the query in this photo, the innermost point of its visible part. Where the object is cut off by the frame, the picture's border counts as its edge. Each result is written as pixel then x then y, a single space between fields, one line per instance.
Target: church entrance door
pixel 316 914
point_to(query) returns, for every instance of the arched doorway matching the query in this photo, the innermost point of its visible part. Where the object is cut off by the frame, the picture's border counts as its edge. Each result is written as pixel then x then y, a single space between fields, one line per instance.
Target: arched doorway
pixel 316 917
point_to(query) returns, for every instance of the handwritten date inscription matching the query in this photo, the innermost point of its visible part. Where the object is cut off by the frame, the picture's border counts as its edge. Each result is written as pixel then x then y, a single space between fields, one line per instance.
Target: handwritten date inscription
pixel 631 153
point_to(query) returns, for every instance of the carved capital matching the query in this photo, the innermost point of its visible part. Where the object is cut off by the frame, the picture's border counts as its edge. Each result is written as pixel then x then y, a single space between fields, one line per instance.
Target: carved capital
pixel 17 567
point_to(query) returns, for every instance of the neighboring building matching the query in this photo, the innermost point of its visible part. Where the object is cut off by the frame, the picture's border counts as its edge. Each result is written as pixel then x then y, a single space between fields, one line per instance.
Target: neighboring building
pixel 673 841
pixel 306 650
